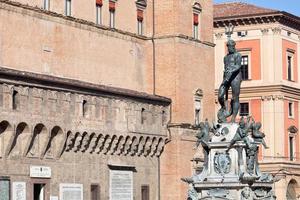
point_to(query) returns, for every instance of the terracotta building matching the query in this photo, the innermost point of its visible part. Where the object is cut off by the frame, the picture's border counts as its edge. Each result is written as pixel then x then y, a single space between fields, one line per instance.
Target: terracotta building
pixel 85 96
pixel 269 41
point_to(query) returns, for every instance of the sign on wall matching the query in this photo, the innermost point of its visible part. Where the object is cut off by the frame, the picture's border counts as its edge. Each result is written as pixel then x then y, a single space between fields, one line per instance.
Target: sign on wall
pixel 19 191
pixel 40 172
pixel 70 191
pixel 4 189
pixel 121 185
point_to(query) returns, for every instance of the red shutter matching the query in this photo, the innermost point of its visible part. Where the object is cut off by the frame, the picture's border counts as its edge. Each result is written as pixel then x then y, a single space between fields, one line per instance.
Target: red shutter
pixel 140 15
pixel 112 6
pixel 99 2
pixel 196 19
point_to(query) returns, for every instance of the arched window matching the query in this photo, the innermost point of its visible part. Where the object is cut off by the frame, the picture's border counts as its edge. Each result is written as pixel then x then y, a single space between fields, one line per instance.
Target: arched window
pixel 292 192
pixel 143 116
pixel 84 108
pixel 15 100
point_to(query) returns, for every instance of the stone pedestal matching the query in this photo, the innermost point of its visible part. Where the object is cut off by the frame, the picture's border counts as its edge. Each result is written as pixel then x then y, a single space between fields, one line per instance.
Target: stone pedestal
pixel 230 169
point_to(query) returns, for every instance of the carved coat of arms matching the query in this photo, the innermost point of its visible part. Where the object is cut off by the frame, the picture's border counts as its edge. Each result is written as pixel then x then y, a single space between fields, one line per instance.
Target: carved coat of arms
pixel 222 163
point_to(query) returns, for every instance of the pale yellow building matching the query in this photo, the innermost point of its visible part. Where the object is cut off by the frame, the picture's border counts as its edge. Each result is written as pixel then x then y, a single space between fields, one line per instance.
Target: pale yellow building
pixel 269 41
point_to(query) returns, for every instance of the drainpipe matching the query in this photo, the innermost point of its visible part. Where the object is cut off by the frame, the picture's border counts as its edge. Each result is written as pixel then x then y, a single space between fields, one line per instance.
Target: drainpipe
pixel 153 47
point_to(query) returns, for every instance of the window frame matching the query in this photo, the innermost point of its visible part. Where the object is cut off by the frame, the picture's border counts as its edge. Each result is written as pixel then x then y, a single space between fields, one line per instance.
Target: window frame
pixel 98 14
pixel 247 53
pixel 290 55
pixel 68 8
pixel 292 148
pixel 98 191
pixel 196 31
pixel 140 27
pixel 291 112
pixel 249 108
pixel 46 4
pixel 197 10
pixel 112 18
pixel 147 193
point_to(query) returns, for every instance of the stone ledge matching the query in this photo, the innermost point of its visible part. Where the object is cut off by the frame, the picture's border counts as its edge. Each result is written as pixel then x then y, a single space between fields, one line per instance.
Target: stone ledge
pixel 30 78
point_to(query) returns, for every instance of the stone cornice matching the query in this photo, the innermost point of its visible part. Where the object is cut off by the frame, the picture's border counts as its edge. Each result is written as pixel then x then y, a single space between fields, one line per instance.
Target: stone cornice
pixel 264 18
pixel 270 89
pixel 281 167
pixel 25 78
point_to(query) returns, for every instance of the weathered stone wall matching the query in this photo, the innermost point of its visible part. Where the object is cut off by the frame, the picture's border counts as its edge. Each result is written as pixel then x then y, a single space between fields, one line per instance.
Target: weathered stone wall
pixel 79 134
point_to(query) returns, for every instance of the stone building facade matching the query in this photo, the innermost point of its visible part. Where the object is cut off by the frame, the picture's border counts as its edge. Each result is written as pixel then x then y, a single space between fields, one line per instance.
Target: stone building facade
pixel 269 41
pixel 81 133
pixel 81 93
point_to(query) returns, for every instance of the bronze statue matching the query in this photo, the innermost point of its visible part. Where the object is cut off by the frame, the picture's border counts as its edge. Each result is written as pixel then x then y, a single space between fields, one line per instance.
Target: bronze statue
pixel 242 133
pixel 232 77
pixel 258 135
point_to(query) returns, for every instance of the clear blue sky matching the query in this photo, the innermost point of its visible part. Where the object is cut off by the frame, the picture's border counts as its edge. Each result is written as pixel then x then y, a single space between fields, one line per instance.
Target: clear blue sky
pixel 291 6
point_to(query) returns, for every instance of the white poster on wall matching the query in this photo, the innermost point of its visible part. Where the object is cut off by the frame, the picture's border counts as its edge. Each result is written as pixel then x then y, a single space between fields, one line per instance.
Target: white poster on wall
pixel 121 185
pixel 19 191
pixel 53 197
pixel 69 191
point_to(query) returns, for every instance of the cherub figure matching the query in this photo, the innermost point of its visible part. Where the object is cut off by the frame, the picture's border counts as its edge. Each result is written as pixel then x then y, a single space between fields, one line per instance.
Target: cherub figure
pixel 258 135
pixel 203 134
pixel 242 133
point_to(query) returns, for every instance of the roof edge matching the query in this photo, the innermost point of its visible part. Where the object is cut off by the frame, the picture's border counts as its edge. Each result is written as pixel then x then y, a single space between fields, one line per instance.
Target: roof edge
pixel 54 82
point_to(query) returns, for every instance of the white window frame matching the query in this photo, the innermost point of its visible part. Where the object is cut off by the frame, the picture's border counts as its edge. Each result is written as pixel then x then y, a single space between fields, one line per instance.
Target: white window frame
pixel 46 4
pixel 290 54
pixel 112 19
pixel 196 31
pixel 68 7
pixel 197 10
pixel 247 52
pixel 140 27
pixel 293 136
pixel 98 14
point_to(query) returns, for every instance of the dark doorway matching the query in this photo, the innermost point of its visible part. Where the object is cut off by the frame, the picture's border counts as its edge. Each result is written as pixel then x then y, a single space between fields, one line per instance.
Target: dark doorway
pixel 39 192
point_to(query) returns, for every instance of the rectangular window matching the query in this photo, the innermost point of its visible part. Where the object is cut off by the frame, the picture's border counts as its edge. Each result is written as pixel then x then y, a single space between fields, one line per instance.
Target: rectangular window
pixel 195 32
pixel 95 192
pixel 46 4
pixel 196 26
pixel 291 145
pixel 197 111
pixel 244 109
pixel 289 68
pixel 68 8
pixel 112 19
pixel 145 192
pixel 112 12
pixel 242 33
pixel 140 27
pixel 245 67
pixel 291 110
pixel 98 14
